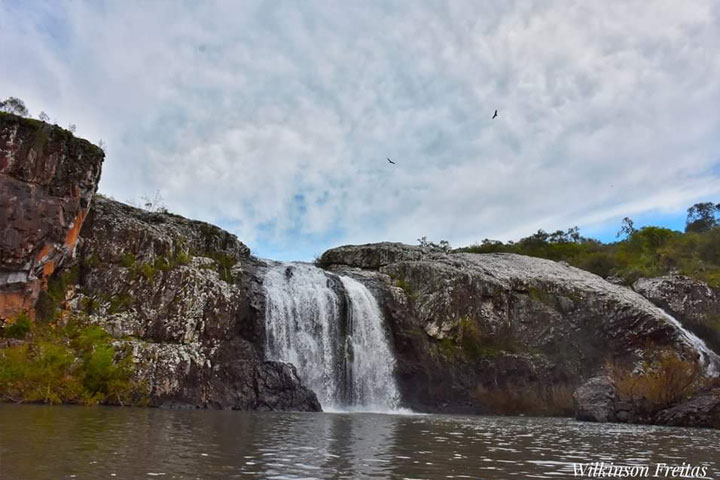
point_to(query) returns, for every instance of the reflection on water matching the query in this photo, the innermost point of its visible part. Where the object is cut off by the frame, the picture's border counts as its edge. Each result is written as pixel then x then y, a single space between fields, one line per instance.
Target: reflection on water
pixel 126 443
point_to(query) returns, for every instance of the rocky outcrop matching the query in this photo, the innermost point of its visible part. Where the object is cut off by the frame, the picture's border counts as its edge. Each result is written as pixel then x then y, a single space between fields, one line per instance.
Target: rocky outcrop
pixel 184 296
pixel 503 332
pixel 595 400
pixel 702 410
pixel 691 301
pixel 47 181
pixel 372 255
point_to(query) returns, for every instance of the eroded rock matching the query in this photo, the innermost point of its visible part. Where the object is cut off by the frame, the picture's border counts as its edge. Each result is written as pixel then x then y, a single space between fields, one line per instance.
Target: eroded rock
pixel 47 181
pixel 185 298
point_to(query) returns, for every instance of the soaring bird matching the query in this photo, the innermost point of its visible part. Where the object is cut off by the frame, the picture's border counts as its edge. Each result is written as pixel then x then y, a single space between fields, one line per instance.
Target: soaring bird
pixel 495 114
pixel 391 161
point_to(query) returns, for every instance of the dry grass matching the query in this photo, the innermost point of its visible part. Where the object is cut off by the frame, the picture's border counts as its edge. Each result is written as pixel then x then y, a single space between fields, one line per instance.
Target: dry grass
pixel 657 383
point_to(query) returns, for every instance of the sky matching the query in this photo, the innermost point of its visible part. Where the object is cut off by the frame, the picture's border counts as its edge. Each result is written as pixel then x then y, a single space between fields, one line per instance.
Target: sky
pixel 274 119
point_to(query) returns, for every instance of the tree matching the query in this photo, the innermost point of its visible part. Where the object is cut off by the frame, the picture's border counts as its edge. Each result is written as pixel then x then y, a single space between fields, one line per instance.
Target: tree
pixel 702 217
pixel 44 117
pixel 574 234
pixel 155 204
pixel 627 228
pixel 72 127
pixel 443 245
pixel 14 105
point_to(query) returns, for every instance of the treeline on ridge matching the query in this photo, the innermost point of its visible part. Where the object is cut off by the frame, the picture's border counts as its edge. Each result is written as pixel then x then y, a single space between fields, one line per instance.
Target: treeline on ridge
pixel 646 252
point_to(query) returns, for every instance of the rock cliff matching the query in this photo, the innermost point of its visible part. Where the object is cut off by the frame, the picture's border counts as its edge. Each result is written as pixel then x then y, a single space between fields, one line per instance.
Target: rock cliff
pixel 47 181
pixel 504 332
pixel 185 297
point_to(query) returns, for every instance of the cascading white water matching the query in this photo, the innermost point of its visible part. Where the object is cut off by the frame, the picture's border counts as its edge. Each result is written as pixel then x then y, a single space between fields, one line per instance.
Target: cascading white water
pixel 708 359
pixel 338 344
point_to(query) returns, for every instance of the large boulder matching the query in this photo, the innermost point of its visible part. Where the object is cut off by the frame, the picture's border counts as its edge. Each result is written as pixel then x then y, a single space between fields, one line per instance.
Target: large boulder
pixel 595 400
pixel 506 333
pixel 691 301
pixel 371 255
pixel 702 410
pixel 47 181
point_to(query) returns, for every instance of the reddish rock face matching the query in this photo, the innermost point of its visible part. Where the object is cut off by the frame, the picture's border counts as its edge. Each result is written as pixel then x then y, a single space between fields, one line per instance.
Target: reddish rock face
pixel 47 180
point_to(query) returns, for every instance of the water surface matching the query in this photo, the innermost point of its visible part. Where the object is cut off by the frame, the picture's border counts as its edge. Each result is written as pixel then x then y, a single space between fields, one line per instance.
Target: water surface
pixel 64 442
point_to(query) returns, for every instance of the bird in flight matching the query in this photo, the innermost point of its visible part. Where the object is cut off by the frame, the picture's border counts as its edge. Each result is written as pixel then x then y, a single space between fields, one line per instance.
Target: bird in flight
pixel 495 115
pixel 391 161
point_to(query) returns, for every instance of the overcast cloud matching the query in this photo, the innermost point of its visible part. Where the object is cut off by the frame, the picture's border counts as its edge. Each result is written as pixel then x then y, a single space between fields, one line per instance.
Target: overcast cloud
pixel 274 119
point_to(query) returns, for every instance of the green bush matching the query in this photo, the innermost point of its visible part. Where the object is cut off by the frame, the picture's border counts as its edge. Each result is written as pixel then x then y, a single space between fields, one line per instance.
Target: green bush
pixel 17 329
pixel 127 260
pixel 68 363
pixel 648 252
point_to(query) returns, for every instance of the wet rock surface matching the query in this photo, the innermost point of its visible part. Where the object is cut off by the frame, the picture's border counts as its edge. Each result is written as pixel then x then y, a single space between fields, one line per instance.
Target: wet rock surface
pixel 691 301
pixel 502 332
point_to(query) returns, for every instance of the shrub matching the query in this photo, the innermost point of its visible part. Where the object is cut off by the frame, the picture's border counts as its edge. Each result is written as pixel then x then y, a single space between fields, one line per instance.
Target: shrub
pixel 224 264
pixel 127 260
pixel 19 328
pixel 657 383
pixel 49 302
pixel 648 252
pixel 70 363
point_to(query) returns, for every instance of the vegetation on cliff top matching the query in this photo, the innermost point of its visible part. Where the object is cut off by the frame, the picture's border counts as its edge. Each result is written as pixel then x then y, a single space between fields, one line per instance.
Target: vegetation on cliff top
pixel 646 252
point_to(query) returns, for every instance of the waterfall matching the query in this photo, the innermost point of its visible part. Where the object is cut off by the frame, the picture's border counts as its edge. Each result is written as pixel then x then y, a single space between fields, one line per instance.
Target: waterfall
pixel 708 359
pixel 331 328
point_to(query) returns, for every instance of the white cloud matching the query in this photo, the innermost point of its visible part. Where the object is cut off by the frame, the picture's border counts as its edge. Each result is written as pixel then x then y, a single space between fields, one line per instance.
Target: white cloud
pixel 275 119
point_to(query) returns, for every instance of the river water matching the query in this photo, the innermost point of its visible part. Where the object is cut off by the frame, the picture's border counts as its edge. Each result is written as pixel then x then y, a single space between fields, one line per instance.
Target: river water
pixel 64 442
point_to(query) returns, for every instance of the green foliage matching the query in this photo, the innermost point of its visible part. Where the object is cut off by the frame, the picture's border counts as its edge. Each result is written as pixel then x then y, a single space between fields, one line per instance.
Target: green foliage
pixel 648 252
pixel 48 304
pixel 68 362
pixel 15 106
pixel 120 302
pixel 568 246
pixel 182 258
pixel 18 328
pixel 442 245
pixel 224 264
pixel 148 270
pixel 93 261
pixel 127 260
pixel 702 217
pixel 405 286
pixel 89 305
